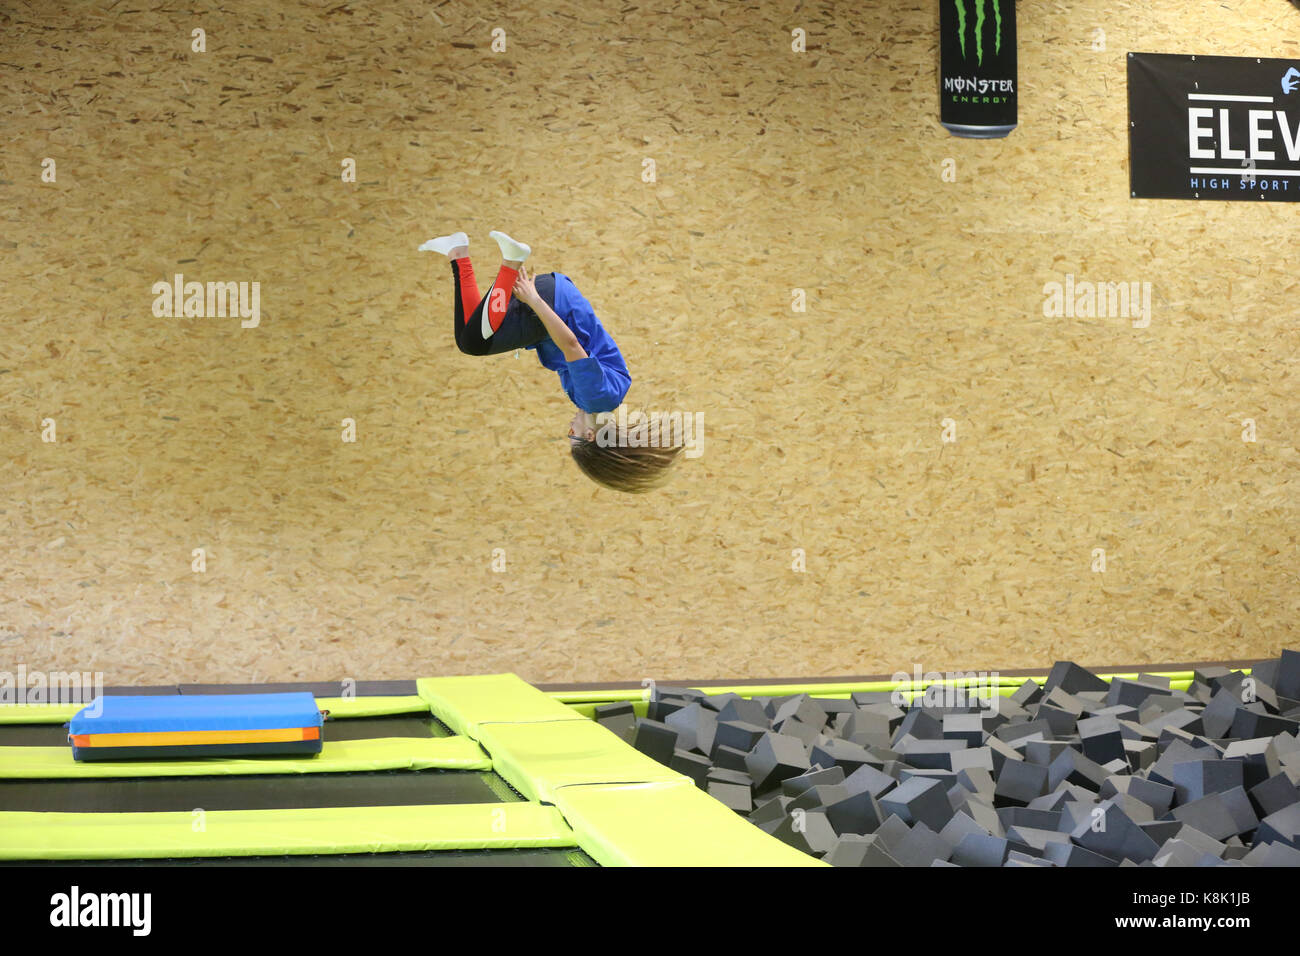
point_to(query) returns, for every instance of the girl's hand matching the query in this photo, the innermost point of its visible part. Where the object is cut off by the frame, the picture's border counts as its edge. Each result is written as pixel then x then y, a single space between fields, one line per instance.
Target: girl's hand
pixel 525 290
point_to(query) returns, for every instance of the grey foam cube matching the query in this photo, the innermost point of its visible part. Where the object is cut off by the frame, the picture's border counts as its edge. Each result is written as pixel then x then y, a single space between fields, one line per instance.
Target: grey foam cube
pixel 1043 752
pixel 1132 692
pixel 1010 733
pixel 1072 678
pixel 793 786
pixel 855 813
pixel 807 734
pixel 729 758
pixel 619 721
pixel 984 814
pixel 1073 855
pixel 1140 754
pixel 1002 754
pixel 1019 783
pixel 655 739
pixel 1253 756
pixel 735 796
pixel 745 711
pixel 1101 740
pixel 919 724
pixel 959 826
pixel 919 799
pixel 891 830
pixel 977 780
pixel 980 849
pixel 1217 715
pixel 1033 840
pixel 1060 723
pixel 1275 793
pixel 1194 779
pixel 1039 819
pixel 1158 796
pixel 1281 826
pixel 695 726
pixel 1177 852
pixel 1201 841
pixel 921 847
pixel 867 727
pixel 804 708
pixel 931 754
pixel 1161 831
pixel 870 780
pixel 769 812
pixel 819 798
pixel 842 753
pixel 807 830
pixel 1026 694
pixel 970 759
pixel 1248 722
pixel 968 728
pixel 739 734
pixel 696 766
pixel 1114 835
pixel 1272 854
pixel 1220 815
pixel 715 702
pixel 775 757
pixel 1073 767
pixel 1286 679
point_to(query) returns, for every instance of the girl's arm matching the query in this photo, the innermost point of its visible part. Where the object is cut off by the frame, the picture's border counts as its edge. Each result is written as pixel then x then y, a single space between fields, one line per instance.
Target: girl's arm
pixel 560 333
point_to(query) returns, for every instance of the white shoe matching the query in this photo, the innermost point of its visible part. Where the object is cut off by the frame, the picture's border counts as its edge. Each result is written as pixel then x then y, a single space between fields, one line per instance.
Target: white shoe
pixel 445 244
pixel 511 251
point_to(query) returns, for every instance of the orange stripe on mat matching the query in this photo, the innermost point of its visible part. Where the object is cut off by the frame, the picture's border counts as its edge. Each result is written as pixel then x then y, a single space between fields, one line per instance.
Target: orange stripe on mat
pixel 175 738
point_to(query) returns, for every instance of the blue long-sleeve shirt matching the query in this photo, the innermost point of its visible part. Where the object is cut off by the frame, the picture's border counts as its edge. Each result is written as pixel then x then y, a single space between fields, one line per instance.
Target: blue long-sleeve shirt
pixel 598 382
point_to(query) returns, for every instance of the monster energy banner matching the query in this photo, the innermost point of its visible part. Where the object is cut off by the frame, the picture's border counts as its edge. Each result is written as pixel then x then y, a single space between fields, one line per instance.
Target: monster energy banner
pixel 977 72
pixel 1213 127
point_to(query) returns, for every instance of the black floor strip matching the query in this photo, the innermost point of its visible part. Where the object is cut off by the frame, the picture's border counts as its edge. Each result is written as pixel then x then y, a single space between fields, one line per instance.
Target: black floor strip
pixel 258 792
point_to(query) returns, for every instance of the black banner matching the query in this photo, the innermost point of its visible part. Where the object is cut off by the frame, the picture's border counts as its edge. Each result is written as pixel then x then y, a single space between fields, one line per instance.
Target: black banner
pixel 1213 127
pixel 977 70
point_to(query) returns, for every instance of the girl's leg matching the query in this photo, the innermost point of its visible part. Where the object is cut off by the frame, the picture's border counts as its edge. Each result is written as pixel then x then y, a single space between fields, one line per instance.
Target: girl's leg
pixel 478 321
pixel 519 328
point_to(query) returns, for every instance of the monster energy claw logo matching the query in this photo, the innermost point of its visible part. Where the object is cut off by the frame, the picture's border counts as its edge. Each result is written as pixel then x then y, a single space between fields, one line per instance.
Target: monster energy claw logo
pixel 979 27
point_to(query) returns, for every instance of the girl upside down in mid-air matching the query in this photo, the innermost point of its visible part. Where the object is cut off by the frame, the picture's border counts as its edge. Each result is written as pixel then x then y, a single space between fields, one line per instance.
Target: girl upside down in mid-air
pixel 549 314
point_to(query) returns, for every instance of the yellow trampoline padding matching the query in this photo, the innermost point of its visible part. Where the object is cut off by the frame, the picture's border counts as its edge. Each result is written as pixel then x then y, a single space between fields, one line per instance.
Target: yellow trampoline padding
pixel 464 703
pixel 668 824
pixel 344 707
pixel 1179 680
pixel 341 756
pixel 539 758
pixel 38 713
pixel 124 836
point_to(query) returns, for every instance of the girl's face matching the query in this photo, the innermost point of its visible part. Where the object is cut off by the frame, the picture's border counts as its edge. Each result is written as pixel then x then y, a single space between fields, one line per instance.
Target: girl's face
pixel 583 426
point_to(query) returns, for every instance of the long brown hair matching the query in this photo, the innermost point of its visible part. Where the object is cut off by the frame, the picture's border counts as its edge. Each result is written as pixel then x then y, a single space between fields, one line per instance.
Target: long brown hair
pixel 634 469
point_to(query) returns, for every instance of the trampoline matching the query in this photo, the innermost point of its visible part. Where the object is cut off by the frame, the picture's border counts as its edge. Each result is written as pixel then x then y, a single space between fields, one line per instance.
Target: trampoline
pixel 483 771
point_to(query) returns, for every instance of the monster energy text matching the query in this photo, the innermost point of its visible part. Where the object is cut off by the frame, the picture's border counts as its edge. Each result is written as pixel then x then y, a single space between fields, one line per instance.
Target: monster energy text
pixel 978 67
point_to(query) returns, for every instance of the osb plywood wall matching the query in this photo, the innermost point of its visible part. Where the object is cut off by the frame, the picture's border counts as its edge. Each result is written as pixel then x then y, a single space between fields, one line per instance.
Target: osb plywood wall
pixel 774 171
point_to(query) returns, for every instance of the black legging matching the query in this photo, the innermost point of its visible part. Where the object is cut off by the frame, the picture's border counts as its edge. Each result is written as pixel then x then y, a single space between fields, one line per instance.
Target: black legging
pixel 520 328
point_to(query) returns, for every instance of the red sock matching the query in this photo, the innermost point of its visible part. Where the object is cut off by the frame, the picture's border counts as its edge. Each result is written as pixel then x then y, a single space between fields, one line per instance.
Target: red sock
pixel 469 297
pixel 499 296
